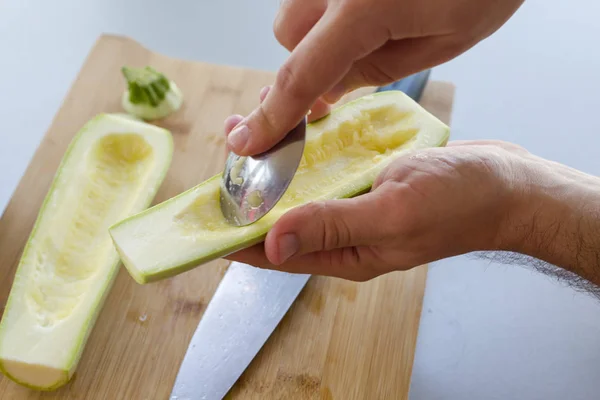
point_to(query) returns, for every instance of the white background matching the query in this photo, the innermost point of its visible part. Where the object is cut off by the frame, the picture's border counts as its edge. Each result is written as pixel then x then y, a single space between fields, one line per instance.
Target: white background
pixel 488 331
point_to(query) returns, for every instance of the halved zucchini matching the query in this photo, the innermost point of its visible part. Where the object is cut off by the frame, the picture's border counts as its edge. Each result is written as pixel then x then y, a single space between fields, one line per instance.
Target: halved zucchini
pixel 112 169
pixel 344 153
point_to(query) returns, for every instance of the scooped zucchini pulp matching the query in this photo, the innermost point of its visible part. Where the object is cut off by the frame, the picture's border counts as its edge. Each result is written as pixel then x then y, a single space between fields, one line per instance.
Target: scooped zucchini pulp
pixel 344 153
pixel 112 169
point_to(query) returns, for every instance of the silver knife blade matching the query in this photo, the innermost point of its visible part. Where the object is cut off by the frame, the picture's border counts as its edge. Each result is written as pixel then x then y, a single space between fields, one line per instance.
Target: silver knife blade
pixel 246 308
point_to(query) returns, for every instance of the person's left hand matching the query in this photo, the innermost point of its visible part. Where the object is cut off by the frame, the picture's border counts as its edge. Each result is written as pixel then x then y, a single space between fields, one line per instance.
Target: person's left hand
pixel 426 206
pixel 337 46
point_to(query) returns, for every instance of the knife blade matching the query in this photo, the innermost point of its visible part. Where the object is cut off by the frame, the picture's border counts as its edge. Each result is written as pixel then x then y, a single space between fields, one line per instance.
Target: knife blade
pixel 246 308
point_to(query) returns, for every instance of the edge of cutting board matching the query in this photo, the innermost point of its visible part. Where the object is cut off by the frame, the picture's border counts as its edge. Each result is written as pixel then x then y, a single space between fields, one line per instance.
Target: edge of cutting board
pixel 313 304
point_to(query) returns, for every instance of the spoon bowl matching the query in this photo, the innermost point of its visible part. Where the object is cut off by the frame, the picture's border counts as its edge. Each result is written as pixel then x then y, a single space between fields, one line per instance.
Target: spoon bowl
pixel 252 186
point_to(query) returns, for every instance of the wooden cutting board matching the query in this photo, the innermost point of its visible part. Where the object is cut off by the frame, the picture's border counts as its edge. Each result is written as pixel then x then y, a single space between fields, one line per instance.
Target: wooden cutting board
pixel 340 340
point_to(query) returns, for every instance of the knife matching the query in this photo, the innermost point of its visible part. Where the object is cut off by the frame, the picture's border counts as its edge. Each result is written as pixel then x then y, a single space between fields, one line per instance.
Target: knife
pixel 246 308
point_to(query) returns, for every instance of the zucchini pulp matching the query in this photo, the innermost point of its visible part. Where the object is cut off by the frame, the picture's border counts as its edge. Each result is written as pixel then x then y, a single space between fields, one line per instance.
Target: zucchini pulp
pixel 112 169
pixel 344 153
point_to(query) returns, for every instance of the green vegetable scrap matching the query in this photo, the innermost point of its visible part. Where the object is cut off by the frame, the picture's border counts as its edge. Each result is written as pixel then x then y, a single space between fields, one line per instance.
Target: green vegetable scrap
pixel 150 94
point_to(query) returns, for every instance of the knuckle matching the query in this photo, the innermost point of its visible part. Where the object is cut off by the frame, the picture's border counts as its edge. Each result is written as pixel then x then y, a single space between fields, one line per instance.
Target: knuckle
pixel 268 123
pixel 366 32
pixel 313 211
pixel 375 75
pixel 264 128
pixel 380 179
pixel 395 171
pixel 400 217
pixel 334 232
pixel 291 81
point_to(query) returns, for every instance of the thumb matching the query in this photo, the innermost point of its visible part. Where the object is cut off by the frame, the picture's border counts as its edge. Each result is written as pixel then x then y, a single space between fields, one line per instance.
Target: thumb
pixel 327 225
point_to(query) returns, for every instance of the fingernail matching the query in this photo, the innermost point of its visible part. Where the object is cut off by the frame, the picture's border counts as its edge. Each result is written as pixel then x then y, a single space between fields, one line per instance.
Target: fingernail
pixel 238 137
pixel 288 245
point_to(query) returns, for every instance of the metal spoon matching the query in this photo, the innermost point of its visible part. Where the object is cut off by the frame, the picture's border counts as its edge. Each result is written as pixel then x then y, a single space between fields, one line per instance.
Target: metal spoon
pixel 252 186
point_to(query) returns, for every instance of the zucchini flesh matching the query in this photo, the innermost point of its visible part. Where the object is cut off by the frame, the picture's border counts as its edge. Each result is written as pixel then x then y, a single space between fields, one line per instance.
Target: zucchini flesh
pixel 112 169
pixel 343 155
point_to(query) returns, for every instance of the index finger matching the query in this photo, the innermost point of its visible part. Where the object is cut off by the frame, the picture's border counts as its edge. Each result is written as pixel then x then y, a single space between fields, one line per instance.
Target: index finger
pixel 319 61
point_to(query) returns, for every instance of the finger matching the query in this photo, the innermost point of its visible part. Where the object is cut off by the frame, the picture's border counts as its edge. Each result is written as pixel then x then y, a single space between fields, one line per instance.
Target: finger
pixel 295 18
pixel 231 122
pixel 263 93
pixel 327 225
pixel 319 110
pixel 254 255
pixel 347 263
pixel 323 57
pixel 394 61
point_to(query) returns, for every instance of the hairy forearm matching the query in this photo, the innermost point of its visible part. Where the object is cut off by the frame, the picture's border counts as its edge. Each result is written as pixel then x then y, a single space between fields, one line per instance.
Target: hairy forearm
pixel 557 219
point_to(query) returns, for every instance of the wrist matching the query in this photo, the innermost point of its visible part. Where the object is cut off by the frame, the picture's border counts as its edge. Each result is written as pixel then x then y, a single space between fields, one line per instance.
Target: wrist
pixel 555 217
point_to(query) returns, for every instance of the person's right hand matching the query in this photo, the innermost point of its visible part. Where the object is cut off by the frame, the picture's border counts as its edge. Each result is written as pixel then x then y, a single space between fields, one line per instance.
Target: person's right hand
pixel 340 45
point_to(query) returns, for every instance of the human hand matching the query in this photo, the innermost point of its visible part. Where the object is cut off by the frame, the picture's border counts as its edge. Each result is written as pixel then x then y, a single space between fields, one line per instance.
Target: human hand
pixel 318 110
pixel 423 207
pixel 339 45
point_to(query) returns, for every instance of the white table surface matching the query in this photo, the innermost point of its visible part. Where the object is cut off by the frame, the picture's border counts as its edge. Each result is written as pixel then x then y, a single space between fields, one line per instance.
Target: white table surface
pixel 488 331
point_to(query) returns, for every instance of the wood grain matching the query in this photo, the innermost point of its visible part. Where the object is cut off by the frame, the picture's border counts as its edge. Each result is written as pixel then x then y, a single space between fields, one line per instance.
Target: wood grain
pixel 340 340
